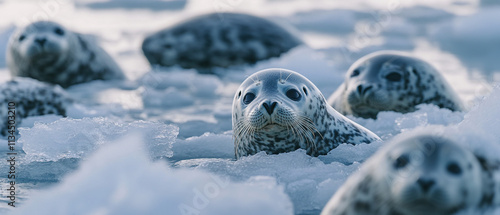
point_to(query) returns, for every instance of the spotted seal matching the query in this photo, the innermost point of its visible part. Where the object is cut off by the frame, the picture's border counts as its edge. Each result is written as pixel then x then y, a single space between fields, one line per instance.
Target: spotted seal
pixel 218 40
pixel 278 110
pixel 30 98
pixel 48 52
pixel 391 81
pixel 419 174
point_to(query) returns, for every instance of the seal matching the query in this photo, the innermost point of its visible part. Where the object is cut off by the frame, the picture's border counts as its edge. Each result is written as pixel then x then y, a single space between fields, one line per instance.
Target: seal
pixel 278 110
pixel 48 52
pixel 30 98
pixel 420 174
pixel 391 81
pixel 218 40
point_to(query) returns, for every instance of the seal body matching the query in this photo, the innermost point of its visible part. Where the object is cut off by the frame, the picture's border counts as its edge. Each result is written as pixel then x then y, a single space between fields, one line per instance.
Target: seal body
pixel 218 40
pixel 423 174
pixel 48 52
pixel 391 81
pixel 30 98
pixel 278 110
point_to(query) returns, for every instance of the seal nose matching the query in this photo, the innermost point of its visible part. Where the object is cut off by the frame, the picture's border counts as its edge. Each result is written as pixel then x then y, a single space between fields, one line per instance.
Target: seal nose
pixel 41 41
pixel 362 89
pixel 269 107
pixel 425 184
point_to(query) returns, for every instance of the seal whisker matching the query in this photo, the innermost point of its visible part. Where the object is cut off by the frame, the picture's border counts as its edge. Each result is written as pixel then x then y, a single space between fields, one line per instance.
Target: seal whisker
pixel 288 77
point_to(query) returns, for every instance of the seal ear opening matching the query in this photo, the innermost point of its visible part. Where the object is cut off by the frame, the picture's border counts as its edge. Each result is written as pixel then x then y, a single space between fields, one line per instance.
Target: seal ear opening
pixel 305 90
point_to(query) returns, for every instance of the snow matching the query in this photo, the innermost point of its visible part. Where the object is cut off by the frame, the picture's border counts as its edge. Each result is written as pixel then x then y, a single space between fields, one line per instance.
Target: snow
pixel 129 183
pixel 89 164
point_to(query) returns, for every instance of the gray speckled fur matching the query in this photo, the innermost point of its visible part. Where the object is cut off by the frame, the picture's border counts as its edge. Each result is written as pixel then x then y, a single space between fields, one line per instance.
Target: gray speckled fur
pixel 32 98
pixel 331 127
pixel 372 189
pixel 218 40
pixel 420 84
pixel 68 59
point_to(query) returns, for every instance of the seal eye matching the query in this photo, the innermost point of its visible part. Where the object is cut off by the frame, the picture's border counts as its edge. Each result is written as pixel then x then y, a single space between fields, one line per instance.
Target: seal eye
pixel 59 31
pixel 21 38
pixel 393 76
pixel 454 169
pixel 401 161
pixel 249 97
pixel 293 94
pixel 355 73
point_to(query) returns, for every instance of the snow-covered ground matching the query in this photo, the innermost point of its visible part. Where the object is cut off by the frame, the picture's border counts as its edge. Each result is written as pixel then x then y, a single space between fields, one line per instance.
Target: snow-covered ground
pixel 162 142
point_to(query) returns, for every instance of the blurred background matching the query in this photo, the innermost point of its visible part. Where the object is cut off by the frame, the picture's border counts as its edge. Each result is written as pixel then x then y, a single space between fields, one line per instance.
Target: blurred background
pixel 192 112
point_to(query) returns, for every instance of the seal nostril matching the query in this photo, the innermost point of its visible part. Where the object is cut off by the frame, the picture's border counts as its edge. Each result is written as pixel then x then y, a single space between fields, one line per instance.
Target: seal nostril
pixel 425 184
pixel 366 89
pixel 40 41
pixel 270 108
pixel 360 89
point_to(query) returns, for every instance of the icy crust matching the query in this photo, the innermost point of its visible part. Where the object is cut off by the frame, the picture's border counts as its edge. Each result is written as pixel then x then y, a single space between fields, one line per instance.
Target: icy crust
pixel 307 180
pixel 208 145
pixel 76 138
pixel 389 123
pixel 120 179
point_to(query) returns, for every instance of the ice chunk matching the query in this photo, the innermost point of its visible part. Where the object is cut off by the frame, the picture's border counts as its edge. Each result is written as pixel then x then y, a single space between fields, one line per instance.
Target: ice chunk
pixel 75 138
pixel 206 146
pixel 389 123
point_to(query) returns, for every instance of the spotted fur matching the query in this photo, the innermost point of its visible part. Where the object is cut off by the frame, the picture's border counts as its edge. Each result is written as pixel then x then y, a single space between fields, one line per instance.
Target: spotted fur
pixel 422 174
pixel 31 98
pixel 48 52
pixel 391 81
pixel 218 40
pixel 307 122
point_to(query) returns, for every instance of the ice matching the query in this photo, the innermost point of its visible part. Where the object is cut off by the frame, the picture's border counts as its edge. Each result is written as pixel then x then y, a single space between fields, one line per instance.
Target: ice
pixel 482 122
pixel 304 177
pixel 389 123
pixel 76 138
pixel 208 145
pixel 120 179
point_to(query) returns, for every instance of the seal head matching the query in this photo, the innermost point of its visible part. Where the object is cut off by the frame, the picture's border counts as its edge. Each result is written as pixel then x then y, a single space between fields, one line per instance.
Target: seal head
pixel 278 110
pixel 391 81
pixel 416 175
pixel 48 52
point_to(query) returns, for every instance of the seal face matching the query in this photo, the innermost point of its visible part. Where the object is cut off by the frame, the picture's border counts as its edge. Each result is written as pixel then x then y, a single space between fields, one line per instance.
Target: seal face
pixel 278 110
pixel 218 40
pixel 48 52
pixel 423 174
pixel 391 81
pixel 31 98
